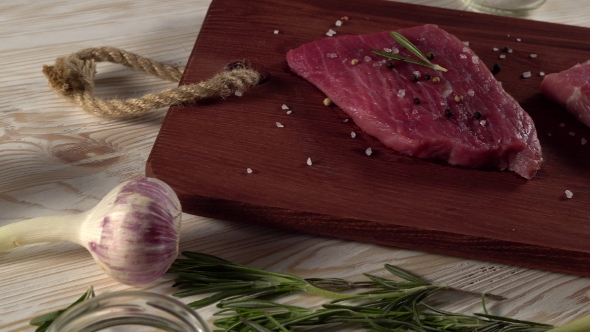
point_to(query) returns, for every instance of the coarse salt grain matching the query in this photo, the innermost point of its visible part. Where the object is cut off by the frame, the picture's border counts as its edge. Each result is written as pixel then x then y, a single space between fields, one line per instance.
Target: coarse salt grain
pixel 367 58
pixel 387 49
pixel 330 33
pixel 309 161
pixel 533 55
pixel 417 73
pixel 482 122
pixel 572 133
pixel 465 49
pixel 345 120
pixel 289 112
pixel 471 92
pixel 509 50
pixel 518 39
pixel 542 73
pixel 463 56
pixel 285 107
pixel 562 125
pixel 502 56
pixel 569 194
pixel 249 170
pixel 332 55
pixel 526 74
pixel 583 141
pixel 352 134
pixel 280 125
pixel 466 43
pixel 338 23
pixel 475 59
pixel 238 93
pixel 276 32
pixel 401 93
pixel 394 50
pixel 495 49
pixel 369 151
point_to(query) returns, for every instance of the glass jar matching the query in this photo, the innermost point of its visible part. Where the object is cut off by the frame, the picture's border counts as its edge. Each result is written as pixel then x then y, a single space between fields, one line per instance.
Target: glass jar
pixel 130 311
pixel 504 7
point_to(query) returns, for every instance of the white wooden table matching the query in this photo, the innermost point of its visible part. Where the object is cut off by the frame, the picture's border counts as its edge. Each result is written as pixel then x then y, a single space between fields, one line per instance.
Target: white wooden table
pixel 56 159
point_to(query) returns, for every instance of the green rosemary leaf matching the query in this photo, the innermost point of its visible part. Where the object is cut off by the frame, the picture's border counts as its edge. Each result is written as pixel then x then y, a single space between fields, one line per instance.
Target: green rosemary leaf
pixel 254 326
pixel 401 58
pixel 404 274
pixel 409 46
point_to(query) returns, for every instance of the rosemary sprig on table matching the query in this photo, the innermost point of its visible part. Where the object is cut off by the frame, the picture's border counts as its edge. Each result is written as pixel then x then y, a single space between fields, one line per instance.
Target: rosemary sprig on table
pixel 246 297
pixel 413 49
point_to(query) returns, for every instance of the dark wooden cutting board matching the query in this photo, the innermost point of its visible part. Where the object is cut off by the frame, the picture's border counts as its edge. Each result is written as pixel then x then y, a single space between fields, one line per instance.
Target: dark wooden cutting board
pixel 203 151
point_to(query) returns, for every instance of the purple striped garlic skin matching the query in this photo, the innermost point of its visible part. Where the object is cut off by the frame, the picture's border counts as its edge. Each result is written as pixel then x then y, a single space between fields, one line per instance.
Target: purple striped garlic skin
pixel 137 238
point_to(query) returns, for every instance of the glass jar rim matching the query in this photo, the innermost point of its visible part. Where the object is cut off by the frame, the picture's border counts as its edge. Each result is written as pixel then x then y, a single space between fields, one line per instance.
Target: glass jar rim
pixel 130 308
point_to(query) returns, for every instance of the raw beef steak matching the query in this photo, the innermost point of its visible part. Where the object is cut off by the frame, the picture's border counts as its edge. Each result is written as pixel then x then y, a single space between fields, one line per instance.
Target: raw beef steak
pixel 462 116
pixel 571 88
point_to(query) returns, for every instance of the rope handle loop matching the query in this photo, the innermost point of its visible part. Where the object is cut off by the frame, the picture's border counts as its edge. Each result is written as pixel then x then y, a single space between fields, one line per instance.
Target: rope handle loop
pixel 72 77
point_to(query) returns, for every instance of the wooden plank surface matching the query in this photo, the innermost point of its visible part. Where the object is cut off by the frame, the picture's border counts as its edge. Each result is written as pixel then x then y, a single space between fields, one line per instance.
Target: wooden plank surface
pixel 56 159
pixel 203 151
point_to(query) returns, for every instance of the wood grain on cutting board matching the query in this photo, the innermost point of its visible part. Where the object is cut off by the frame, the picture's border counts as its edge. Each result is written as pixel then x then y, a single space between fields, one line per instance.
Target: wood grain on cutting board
pixel 203 151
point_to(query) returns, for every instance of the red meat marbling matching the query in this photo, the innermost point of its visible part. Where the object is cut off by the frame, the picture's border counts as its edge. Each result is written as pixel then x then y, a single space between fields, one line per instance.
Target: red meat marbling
pixel 488 128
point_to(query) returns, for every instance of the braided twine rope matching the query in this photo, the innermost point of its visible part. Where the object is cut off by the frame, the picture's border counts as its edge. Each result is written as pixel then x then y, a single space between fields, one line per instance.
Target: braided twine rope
pixel 72 77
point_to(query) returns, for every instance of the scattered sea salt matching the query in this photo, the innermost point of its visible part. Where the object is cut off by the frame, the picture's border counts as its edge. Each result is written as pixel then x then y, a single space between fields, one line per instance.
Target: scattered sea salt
pixel 572 133
pixel 475 59
pixel 471 92
pixel 495 49
pixel 387 49
pixel 238 93
pixel 417 73
pixel 345 120
pixel 352 134
pixel 463 56
pixel 502 56
pixel 562 125
pixel 276 32
pixel 518 39
pixel 483 122
pixel 401 93
pixel 569 194
pixel 280 125
pixel 249 170
pixel 465 49
pixel 394 50
pixel 583 141
pixel 542 73
pixel 533 55
pixel 526 74
pixel 285 107
pixel 289 112
pixel 338 23
pixel 368 151
pixel 367 58
pixel 309 161
pixel 379 63
pixel 332 55
pixel 330 33
pixel 466 43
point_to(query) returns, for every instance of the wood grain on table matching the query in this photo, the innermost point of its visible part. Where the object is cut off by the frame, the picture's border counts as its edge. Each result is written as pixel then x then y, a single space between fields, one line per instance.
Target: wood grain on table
pixel 55 159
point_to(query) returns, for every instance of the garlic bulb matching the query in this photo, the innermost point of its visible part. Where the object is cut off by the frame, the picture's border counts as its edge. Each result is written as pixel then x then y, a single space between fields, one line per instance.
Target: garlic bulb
pixel 132 233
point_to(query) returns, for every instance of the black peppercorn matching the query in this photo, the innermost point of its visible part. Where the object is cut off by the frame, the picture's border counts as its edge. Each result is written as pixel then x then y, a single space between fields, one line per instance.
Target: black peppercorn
pixel 389 64
pixel 430 55
pixel 414 78
pixel 449 113
pixel 496 69
pixel 417 101
pixel 477 115
pixel 427 77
